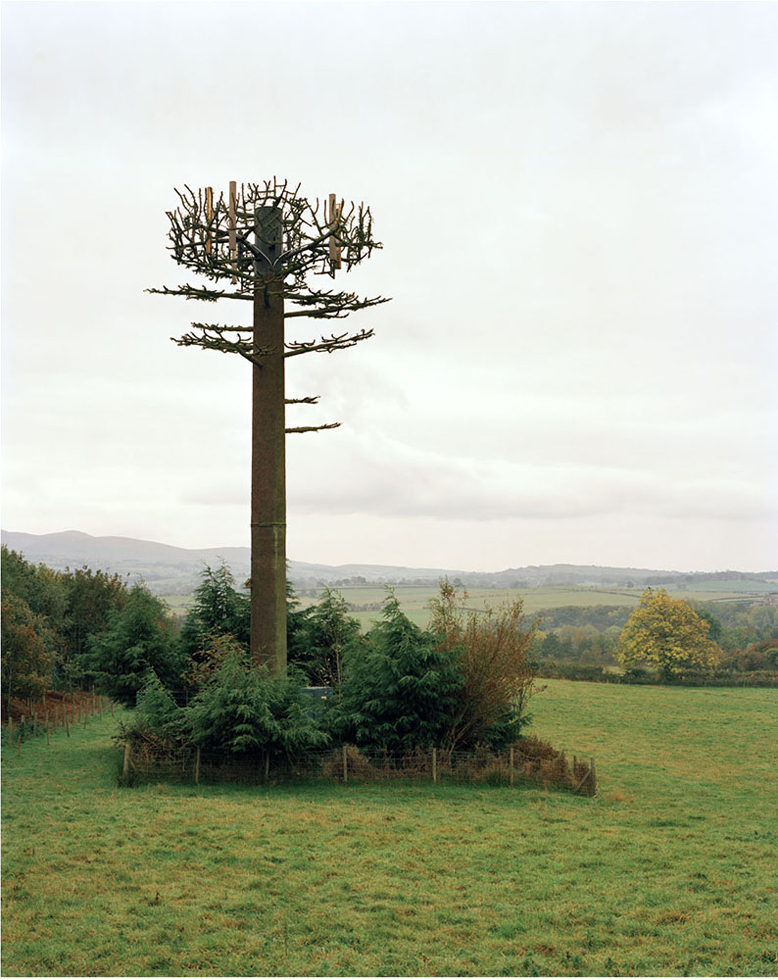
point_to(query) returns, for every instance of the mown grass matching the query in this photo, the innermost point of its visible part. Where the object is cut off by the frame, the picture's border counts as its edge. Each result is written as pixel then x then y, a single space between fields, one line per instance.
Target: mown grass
pixel 671 870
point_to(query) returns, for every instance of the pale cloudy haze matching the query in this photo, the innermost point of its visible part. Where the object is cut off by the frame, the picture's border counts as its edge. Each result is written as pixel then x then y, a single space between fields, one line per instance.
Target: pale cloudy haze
pixel 578 207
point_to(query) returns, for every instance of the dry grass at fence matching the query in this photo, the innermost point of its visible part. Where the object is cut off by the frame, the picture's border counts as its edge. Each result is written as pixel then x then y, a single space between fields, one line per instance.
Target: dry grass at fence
pixel 530 761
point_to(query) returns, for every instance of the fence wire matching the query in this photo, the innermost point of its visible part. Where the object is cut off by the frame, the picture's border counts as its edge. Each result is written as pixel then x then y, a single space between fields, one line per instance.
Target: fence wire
pixel 538 764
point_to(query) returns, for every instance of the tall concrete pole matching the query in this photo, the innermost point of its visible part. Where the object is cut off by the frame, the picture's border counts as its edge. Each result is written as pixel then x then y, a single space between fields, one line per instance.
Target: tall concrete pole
pixel 268 454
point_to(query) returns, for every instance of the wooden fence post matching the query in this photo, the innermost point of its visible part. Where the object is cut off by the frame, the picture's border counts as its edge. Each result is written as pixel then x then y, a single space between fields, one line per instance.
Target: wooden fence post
pixel 47 729
pixel 434 764
pixel 593 775
pixel 345 765
pixel 197 767
pixel 512 776
pixel 127 755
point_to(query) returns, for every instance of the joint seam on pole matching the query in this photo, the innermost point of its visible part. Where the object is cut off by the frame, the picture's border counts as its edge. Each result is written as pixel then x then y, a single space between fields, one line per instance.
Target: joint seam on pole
pixel 268 524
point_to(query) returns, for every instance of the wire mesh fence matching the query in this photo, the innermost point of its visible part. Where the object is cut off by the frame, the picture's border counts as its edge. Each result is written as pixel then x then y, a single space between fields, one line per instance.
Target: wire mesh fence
pixel 58 711
pixel 528 762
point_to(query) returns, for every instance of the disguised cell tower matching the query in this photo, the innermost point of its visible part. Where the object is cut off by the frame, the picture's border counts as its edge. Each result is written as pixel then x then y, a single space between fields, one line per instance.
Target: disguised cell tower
pixel 261 244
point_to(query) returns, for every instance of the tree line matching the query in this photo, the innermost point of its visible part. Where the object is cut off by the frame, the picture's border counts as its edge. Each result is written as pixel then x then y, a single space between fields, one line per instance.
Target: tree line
pixel 464 680
pixel 744 631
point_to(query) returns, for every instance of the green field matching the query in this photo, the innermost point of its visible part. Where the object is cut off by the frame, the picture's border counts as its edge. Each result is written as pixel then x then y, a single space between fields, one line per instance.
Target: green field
pixel 414 599
pixel 671 870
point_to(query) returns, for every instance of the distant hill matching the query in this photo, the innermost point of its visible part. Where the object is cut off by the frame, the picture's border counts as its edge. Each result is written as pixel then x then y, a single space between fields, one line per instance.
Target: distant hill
pixel 168 570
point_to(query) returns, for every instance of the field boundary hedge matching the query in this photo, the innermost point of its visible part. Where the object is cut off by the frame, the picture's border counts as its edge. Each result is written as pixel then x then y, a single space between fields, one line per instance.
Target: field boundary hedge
pixel 601 675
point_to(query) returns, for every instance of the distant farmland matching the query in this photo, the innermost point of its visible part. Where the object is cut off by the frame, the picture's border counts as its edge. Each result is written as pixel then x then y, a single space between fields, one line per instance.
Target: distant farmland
pixel 414 599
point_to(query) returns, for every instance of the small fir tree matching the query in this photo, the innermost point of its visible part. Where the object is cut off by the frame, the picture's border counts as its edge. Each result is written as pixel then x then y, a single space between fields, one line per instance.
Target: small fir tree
pixel 324 636
pixel 244 711
pixel 400 687
pixel 138 639
pixel 218 608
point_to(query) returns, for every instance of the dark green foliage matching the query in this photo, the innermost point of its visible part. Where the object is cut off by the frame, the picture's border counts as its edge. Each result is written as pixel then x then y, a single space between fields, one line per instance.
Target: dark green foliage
pixel 552 648
pixel 158 719
pixel 714 625
pixel 90 598
pixel 138 639
pixel 156 706
pixel 27 658
pixel 67 608
pixel 296 620
pixel 322 638
pixel 218 608
pixel 33 603
pixel 399 688
pixel 243 711
pixel 43 589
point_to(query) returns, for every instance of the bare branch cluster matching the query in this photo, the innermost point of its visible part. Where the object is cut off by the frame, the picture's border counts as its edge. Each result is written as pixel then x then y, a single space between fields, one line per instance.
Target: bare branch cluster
pixel 224 239
pixel 213 236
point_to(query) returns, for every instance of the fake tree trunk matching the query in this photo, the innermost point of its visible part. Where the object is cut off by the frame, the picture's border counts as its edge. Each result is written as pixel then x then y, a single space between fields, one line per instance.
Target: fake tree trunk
pixel 293 239
pixel 268 484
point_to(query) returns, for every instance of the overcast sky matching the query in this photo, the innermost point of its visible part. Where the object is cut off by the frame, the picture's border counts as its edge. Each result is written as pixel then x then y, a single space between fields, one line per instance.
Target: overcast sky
pixel 579 210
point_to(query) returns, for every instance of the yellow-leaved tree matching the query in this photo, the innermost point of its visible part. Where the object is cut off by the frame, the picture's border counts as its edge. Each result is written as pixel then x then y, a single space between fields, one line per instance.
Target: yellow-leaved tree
pixel 667 634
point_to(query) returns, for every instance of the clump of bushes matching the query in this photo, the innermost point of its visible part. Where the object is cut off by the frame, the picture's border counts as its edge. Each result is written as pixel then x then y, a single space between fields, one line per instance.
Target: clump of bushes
pixel 242 711
pixel 401 687
pixel 463 682
pixel 492 655
pixel 239 712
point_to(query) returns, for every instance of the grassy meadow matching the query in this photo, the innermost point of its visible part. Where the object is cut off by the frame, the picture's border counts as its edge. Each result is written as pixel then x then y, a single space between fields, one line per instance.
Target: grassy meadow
pixel 672 870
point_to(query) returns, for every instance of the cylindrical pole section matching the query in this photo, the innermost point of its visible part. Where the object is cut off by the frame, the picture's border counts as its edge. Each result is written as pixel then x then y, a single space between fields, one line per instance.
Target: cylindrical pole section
pixel 268 466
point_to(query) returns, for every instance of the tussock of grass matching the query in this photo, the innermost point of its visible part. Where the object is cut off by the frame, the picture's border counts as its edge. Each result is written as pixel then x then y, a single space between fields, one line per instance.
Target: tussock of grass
pixel 670 871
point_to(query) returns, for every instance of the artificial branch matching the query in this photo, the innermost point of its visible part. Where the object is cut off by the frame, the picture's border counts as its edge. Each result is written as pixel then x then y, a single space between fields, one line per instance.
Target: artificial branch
pixel 314 428
pixel 198 292
pixel 326 344
pixel 211 338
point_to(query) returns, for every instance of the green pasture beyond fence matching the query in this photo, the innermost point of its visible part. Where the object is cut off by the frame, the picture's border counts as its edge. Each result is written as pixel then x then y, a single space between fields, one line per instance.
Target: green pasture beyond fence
pixel 44 718
pixel 537 764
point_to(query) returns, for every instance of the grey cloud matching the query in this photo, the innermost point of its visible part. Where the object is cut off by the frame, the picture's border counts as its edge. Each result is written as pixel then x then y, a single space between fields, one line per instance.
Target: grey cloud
pixel 380 476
